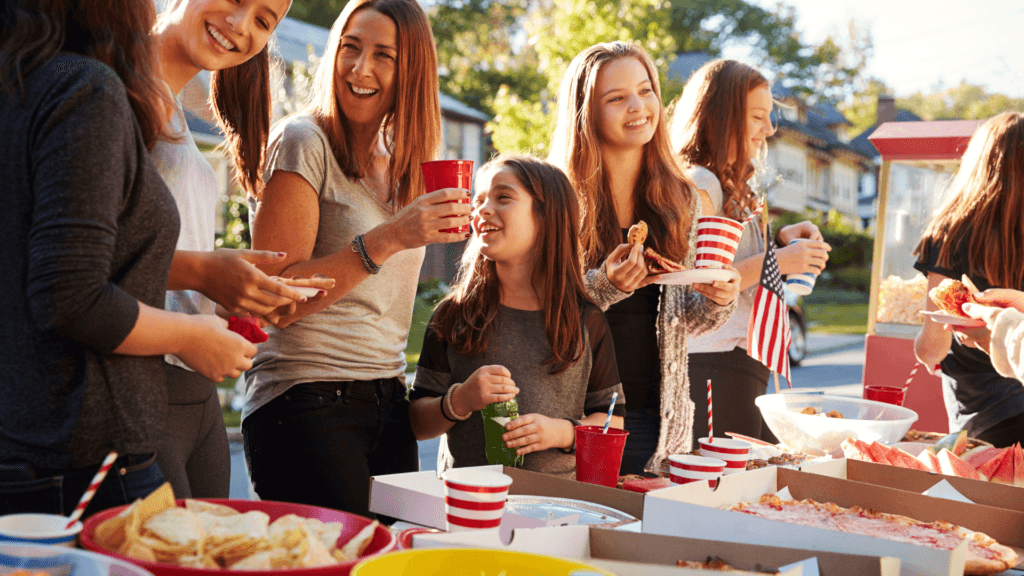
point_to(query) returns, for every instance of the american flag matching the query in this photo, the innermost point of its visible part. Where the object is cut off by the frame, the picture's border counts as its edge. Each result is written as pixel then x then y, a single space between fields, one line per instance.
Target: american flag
pixel 768 333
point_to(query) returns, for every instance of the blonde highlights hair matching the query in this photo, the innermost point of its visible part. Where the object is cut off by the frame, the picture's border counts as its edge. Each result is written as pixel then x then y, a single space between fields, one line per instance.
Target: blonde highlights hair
pixel 663 194
pixel 411 131
pixel 985 206
pixel 709 123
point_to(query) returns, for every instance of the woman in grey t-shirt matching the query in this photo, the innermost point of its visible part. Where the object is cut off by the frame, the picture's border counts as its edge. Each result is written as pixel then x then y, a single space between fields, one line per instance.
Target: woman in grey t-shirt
pixel 325 401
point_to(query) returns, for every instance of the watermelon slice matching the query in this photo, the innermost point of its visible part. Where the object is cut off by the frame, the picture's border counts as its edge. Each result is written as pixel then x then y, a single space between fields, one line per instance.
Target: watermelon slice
pixel 905 460
pixel 928 459
pixel 950 442
pixel 989 468
pixel 880 454
pixel 980 454
pixel 644 485
pixel 855 450
pixel 1004 473
pixel 950 465
pixel 1018 465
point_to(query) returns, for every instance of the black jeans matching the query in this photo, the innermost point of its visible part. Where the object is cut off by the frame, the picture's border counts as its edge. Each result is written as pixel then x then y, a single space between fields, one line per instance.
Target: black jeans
pixel 25 488
pixel 737 379
pixel 319 443
pixel 644 427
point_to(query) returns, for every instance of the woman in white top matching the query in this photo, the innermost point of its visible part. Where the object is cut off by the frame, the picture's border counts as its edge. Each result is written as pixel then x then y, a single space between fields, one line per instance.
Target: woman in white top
pixel 229 38
pixel 719 128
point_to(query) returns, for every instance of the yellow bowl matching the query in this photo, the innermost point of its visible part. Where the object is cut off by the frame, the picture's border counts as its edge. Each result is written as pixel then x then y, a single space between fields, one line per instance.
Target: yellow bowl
pixel 472 562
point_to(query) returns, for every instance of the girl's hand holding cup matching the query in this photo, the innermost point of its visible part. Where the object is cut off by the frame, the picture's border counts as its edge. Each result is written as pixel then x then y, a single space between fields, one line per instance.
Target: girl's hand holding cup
pixel 486 385
pixel 536 432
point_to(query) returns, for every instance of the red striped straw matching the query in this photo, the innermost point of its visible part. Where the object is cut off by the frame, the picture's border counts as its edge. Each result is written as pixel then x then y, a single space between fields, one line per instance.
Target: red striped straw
pixel 913 371
pixel 754 213
pixel 711 427
pixel 96 481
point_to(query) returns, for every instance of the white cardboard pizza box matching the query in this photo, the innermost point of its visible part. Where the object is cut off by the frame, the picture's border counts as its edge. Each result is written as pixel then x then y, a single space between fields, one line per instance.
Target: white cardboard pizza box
pixel 418 497
pixel 695 510
pixel 632 554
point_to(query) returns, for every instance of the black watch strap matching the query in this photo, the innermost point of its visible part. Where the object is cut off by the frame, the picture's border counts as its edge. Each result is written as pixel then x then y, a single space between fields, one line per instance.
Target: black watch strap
pixel 571 450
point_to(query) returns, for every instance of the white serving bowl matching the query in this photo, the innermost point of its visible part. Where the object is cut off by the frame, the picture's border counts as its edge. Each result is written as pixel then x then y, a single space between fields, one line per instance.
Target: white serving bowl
pixel 818 435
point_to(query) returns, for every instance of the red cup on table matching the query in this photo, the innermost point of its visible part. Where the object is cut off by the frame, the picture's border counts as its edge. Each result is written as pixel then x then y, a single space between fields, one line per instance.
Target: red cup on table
pixel 598 456
pixel 734 452
pixel 474 499
pixel 887 394
pixel 686 468
pixel 438 174
pixel 717 240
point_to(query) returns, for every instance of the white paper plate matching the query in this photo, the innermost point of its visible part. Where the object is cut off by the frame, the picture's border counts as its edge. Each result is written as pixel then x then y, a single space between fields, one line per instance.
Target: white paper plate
pixel 697 276
pixel 545 508
pixel 943 318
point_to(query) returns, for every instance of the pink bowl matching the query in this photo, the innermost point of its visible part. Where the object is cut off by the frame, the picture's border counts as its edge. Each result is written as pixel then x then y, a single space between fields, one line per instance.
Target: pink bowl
pixel 383 539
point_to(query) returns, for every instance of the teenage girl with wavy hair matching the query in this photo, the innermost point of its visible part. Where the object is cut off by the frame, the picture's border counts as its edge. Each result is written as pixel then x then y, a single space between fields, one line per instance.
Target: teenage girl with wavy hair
pixel 326 398
pixel 612 140
pixel 719 128
pixel 517 324
pixel 978 231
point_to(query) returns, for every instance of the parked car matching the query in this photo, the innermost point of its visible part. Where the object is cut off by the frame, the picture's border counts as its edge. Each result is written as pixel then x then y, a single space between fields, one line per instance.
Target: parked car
pixel 797 329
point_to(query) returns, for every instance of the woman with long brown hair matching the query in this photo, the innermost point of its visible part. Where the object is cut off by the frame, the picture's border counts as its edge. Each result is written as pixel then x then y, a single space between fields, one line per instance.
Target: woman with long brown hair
pixel 612 141
pixel 87 235
pixel 978 232
pixel 719 128
pixel 517 324
pixel 326 398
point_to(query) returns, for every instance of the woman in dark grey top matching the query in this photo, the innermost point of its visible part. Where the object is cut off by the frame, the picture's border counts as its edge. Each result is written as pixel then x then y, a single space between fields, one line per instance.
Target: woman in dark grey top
pixel 87 237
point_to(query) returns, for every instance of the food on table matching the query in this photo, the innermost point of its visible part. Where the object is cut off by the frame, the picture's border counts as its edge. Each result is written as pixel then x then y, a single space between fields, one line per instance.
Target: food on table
pixel 950 296
pixel 720 565
pixel 209 535
pixel 496 416
pixel 1000 465
pixel 936 438
pixel 642 484
pixel 811 411
pixel 984 555
pixel 656 263
pixel 899 300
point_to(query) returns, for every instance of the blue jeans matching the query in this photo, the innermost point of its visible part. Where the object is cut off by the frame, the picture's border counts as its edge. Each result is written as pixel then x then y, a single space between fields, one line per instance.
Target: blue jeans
pixel 644 427
pixel 319 443
pixel 25 488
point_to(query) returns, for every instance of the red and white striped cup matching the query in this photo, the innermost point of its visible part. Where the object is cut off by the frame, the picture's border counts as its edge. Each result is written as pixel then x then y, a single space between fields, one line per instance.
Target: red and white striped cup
pixel 686 468
pixel 734 452
pixel 717 239
pixel 474 499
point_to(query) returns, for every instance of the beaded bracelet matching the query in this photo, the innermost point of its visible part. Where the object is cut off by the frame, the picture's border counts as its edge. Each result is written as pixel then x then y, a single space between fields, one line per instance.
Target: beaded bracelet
pixel 448 403
pixel 360 248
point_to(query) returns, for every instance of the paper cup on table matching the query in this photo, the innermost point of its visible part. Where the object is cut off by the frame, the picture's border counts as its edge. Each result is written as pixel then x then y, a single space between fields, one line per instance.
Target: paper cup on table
pixel 598 455
pixel 734 452
pixel 800 284
pixel 717 239
pixel 439 174
pixel 474 499
pixel 39 529
pixel 686 468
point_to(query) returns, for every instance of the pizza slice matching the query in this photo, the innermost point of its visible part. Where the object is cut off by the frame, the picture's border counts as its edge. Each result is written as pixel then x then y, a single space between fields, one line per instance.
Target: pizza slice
pixel 950 296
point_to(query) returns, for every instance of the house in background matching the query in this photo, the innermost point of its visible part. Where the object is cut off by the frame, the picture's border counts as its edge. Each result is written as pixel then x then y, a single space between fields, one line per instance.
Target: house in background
pixel 462 129
pixel 810 161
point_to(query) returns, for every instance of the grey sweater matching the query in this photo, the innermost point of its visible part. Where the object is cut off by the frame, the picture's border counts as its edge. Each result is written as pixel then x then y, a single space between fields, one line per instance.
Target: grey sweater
pixel 87 231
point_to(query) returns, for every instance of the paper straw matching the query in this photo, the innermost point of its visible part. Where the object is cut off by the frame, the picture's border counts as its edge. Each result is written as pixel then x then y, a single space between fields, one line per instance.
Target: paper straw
pixel 711 428
pixel 754 213
pixel 913 371
pixel 96 481
pixel 608 419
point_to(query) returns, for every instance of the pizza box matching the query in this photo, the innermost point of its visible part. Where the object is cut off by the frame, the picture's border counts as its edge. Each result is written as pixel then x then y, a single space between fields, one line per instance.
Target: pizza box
pixel 673 511
pixel 977 491
pixel 418 497
pixel 635 554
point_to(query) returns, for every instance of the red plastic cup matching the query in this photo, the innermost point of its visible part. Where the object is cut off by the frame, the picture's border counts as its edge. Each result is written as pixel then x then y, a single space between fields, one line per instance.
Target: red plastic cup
pixel 887 394
pixel 438 174
pixel 598 456
pixel 686 468
pixel 717 240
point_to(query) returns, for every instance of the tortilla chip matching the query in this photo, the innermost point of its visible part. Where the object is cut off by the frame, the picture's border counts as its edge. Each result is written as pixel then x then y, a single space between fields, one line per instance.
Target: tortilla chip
pixel 203 507
pixel 176 526
pixel 355 547
pixel 257 561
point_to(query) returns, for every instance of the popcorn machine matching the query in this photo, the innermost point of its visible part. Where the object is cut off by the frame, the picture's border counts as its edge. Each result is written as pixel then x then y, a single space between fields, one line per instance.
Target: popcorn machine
pixel 918 160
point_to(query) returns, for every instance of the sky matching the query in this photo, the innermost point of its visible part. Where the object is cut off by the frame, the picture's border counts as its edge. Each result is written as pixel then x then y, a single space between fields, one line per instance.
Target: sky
pixel 918 44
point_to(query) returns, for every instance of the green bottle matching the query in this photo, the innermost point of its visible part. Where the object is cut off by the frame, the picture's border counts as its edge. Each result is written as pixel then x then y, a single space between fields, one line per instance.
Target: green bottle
pixel 494 446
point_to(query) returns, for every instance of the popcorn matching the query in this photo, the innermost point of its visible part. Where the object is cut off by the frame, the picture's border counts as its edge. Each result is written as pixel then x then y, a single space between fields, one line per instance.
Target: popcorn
pixel 900 301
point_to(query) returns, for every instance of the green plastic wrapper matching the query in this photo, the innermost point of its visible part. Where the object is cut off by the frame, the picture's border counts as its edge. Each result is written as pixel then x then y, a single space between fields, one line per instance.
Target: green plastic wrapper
pixel 494 447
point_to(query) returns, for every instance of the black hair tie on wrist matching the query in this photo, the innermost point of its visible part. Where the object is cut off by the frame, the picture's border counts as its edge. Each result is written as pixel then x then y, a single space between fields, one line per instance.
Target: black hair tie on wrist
pixel 572 449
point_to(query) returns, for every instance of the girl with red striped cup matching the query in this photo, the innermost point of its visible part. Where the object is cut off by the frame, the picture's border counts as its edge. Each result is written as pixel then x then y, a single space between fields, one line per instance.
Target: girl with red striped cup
pixel 717 240
pixel 734 452
pixel 474 499
pixel 686 468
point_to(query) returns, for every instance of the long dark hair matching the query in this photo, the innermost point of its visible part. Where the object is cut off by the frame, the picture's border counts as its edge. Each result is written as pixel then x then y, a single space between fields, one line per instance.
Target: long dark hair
pixel 709 120
pixel 412 130
pixel 466 316
pixel 242 106
pixel 986 200
pixel 663 194
pixel 114 32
